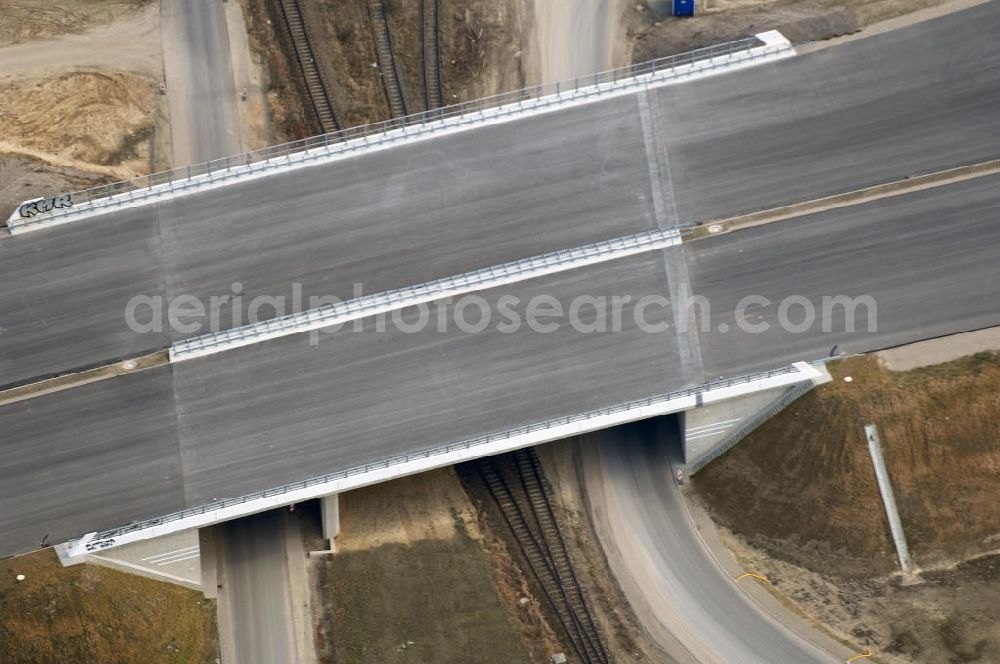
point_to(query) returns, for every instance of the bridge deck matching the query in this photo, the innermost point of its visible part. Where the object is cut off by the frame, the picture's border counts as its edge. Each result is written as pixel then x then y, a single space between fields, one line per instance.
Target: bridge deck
pixel 874 110
pixel 909 101
pixel 103 454
pixel 110 452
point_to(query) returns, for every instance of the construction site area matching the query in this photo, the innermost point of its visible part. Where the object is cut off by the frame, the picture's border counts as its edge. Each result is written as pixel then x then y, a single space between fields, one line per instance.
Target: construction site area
pixel 553 553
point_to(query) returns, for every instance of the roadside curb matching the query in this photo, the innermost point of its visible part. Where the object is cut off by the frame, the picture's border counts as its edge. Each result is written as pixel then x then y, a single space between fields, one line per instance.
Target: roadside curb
pixel 817 629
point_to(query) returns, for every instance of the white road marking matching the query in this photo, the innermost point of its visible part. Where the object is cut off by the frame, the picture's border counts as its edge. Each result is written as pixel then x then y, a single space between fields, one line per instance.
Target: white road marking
pixel 177 560
pixel 712 425
pixel 169 554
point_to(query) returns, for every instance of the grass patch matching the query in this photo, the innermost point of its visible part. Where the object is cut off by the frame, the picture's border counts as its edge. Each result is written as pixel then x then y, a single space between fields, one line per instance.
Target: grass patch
pixel 86 614
pixel 430 601
pixel 802 486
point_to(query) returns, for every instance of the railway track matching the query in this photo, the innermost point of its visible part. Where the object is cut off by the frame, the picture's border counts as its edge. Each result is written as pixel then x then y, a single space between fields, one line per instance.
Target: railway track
pixel 433 93
pixel 304 54
pixel 386 59
pixel 528 512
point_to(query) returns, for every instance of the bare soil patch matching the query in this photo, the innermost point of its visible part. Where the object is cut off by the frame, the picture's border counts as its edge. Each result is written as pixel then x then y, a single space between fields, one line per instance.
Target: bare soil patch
pixel 22 178
pixel 802 486
pixel 654 34
pixel 413 580
pixel 483 47
pixel 87 613
pixel 28 20
pixel 800 497
pixel 82 119
pixel 951 617
pixel 285 95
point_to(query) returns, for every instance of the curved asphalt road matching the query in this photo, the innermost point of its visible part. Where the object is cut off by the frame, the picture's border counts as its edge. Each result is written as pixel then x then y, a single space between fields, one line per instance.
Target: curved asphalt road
pixel 678 590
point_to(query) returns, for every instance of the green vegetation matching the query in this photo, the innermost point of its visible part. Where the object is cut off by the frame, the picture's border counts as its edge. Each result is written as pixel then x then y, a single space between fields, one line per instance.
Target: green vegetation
pixel 802 486
pixel 429 601
pixel 84 614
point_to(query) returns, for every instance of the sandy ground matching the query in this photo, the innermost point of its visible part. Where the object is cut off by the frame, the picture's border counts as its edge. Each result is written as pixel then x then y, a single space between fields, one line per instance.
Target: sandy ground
pixel 101 47
pixel 938 351
pixel 951 616
pixel 653 33
pixel 799 495
pixel 79 99
pixel 32 20
pixel 81 119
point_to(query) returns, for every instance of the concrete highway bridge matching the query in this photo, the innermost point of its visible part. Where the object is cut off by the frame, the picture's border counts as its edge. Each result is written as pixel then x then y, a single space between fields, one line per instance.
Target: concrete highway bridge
pixel 580 197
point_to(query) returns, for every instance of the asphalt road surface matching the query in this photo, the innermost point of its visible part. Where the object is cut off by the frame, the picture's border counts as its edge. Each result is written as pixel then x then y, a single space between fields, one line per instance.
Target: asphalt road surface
pixel 680 594
pixel 102 453
pixel 300 410
pixel 900 103
pixel 257 583
pixel 927 261
pixel 140 446
pixel 914 100
pixel 201 94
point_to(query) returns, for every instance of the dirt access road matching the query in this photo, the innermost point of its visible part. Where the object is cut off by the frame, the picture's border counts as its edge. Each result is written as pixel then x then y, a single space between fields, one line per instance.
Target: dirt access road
pixel 574 37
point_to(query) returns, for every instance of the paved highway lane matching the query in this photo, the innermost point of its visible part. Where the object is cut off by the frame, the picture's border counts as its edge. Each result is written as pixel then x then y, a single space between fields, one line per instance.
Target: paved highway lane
pixel 103 454
pixel 285 406
pixel 928 259
pixel 818 123
pixel 300 411
pixel 417 212
pixel 678 591
pixel 297 409
pixel 905 102
pixel 64 293
pixel 387 220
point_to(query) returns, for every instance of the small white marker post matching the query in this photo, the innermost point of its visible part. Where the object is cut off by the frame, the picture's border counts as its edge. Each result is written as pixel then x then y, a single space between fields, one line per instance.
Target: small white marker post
pixel 888 499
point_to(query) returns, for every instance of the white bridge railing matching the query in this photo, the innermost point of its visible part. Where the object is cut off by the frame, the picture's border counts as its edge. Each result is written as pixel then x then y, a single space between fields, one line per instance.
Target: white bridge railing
pixel 148 188
pixel 492 443
pixel 398 298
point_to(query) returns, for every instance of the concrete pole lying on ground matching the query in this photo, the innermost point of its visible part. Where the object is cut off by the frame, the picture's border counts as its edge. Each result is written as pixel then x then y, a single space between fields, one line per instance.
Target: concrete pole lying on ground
pixel 888 499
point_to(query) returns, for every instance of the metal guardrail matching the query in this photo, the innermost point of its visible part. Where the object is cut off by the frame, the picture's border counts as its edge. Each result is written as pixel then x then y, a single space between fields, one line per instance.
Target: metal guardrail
pixel 95 543
pixel 363 136
pixel 400 297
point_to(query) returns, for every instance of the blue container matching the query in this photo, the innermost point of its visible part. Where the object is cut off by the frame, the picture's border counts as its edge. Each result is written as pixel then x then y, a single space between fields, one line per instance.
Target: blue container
pixel 684 7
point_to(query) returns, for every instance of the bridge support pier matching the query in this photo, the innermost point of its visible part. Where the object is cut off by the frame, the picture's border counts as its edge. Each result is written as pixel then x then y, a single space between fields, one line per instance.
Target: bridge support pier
pixel 330 515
